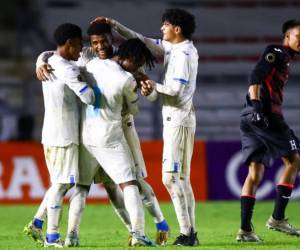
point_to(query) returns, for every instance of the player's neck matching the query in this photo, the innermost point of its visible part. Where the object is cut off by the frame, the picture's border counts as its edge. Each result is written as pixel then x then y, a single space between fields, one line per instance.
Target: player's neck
pixel 178 39
pixel 61 51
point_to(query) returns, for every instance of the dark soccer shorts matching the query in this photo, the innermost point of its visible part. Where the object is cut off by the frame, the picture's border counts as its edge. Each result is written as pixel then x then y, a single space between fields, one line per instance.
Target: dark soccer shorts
pixel 261 145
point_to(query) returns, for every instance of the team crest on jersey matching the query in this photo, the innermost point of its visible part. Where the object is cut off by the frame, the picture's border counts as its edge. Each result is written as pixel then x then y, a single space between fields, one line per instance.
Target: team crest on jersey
pixel 270 57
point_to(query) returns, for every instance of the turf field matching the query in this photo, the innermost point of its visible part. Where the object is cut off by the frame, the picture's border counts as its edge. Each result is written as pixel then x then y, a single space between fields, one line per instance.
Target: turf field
pixel 217 224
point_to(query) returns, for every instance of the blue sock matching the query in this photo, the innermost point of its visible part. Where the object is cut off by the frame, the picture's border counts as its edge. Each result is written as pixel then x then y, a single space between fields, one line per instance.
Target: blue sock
pixel 163 226
pixel 38 223
pixel 52 237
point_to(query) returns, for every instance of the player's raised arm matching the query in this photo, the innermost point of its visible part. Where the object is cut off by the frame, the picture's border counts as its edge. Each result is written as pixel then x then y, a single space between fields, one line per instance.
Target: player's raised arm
pixel 130 96
pixel 155 45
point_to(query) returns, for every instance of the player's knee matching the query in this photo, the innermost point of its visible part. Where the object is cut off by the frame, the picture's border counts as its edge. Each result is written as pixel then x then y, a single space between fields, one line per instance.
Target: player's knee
pixel 145 188
pixel 169 179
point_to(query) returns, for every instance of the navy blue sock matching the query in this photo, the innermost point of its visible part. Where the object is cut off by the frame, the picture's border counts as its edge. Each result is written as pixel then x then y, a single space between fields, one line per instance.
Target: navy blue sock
pixel 52 237
pixel 282 199
pixel 163 226
pixel 38 223
pixel 247 205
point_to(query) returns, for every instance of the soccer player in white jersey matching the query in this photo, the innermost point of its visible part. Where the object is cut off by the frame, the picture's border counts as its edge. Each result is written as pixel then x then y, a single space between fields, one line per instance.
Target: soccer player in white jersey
pixel 177 89
pixel 60 133
pixel 101 47
pixel 102 134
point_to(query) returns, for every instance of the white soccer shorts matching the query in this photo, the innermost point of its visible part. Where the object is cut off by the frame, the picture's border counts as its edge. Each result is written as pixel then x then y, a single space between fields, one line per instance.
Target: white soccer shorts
pixel 116 161
pixel 62 163
pixel 89 169
pixel 178 149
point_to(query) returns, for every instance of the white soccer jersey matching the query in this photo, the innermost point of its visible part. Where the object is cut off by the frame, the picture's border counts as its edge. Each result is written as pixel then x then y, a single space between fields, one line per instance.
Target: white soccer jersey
pixel 61 119
pixel 180 65
pixel 102 126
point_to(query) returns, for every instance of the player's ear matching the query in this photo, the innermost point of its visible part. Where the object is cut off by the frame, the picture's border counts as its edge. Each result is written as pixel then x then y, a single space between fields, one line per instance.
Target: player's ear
pixel 69 42
pixel 178 30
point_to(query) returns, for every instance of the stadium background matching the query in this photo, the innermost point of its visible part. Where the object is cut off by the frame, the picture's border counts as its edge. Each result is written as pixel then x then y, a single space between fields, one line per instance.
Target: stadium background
pixel 230 36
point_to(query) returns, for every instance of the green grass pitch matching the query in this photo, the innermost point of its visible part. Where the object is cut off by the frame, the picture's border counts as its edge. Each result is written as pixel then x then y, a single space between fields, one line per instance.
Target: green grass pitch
pixel 217 224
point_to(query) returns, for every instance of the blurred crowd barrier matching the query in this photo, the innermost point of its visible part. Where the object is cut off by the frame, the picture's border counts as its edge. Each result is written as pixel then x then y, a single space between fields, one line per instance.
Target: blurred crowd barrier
pixel 217 173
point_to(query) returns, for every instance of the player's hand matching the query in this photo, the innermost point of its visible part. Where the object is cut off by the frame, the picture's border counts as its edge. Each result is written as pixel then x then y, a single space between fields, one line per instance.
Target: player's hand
pixel 43 73
pixel 147 87
pixel 259 119
pixel 140 77
pixel 102 19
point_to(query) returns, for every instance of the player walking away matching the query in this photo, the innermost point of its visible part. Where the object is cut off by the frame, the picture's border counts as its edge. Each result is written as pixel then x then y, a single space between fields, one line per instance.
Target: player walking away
pixel 102 134
pixel 180 63
pixel 60 133
pixel 101 47
pixel 265 134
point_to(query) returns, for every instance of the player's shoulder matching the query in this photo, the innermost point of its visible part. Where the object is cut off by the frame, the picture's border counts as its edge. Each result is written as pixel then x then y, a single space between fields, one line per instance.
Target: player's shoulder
pixel 274 48
pixel 274 52
pixel 62 66
pixel 186 49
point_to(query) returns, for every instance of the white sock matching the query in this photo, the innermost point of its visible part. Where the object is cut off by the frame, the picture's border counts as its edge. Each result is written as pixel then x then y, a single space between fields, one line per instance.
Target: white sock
pixel 190 200
pixel 134 207
pixel 42 210
pixel 77 205
pixel 54 206
pixel 176 191
pixel 150 201
pixel 116 198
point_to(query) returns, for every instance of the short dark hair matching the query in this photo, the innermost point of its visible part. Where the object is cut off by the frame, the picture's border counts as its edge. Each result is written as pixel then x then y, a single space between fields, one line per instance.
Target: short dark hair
pixel 137 50
pixel 181 18
pixel 99 28
pixel 289 25
pixel 66 31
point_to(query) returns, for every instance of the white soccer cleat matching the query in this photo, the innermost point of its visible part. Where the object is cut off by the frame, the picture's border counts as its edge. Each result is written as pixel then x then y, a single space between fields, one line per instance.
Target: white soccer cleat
pixel 244 236
pixel 57 244
pixel 72 240
pixel 282 226
pixel 137 241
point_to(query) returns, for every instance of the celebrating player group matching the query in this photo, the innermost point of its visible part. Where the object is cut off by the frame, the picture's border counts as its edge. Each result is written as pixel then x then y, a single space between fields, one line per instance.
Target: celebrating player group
pixel 89 136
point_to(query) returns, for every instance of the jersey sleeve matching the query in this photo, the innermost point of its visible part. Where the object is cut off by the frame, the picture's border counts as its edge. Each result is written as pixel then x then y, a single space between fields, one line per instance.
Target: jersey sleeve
pixel 180 76
pixel 156 46
pixel 43 58
pixel 271 57
pixel 75 82
pixel 85 56
pixel 181 72
pixel 130 96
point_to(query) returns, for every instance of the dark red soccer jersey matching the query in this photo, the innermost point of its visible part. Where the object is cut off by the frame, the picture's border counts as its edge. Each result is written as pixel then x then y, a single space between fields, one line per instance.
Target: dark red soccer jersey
pixel 271 73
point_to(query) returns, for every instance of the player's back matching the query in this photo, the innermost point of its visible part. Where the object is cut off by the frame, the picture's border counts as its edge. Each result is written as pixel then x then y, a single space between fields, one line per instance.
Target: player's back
pixel 61 119
pixel 103 126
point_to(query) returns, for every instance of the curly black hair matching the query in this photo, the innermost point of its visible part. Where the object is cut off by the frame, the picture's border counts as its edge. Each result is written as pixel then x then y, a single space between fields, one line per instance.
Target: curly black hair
pixel 66 31
pixel 289 25
pixel 181 18
pixel 99 28
pixel 136 50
